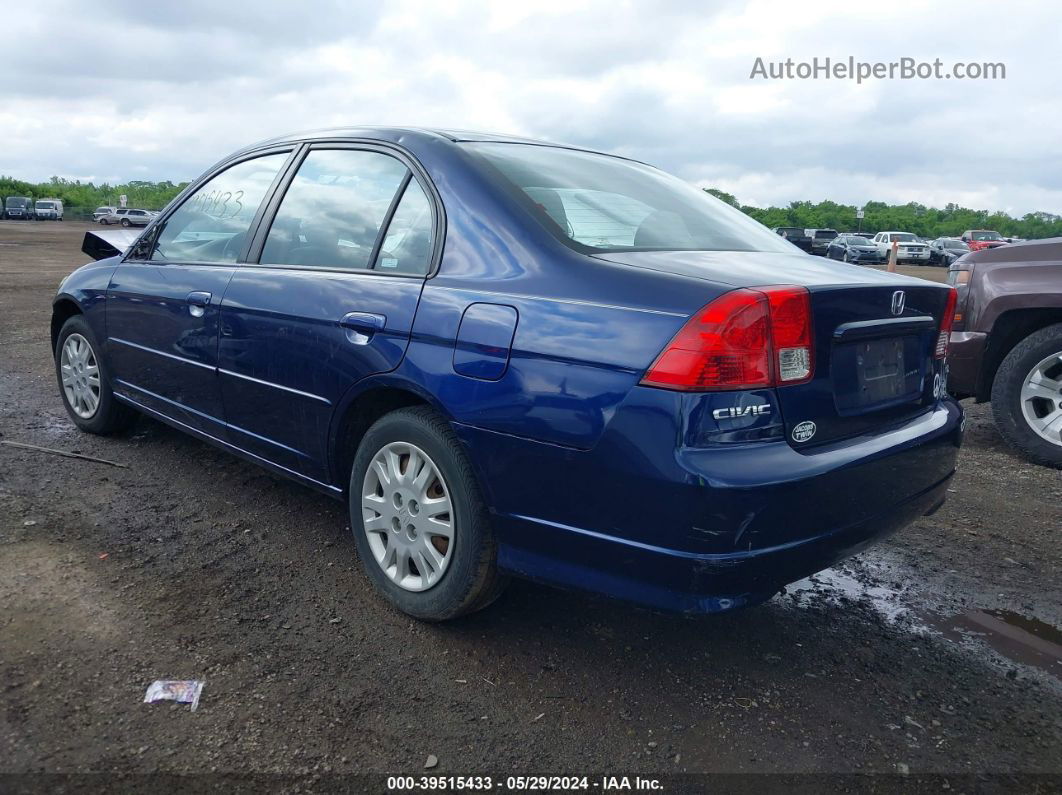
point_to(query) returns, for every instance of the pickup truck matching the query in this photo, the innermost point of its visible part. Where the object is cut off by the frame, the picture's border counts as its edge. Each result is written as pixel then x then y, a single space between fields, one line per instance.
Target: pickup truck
pixel 820 239
pixel 911 248
pixel 1006 341
pixel 978 239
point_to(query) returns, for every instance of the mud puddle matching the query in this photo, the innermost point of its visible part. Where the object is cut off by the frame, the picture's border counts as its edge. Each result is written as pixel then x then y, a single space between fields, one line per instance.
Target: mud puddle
pixel 1015 637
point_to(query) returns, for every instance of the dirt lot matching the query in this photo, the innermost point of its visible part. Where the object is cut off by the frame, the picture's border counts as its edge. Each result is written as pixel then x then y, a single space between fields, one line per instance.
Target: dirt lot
pixel 191 564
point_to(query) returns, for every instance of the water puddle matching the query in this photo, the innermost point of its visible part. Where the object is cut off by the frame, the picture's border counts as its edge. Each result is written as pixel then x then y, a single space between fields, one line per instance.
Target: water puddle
pixel 1019 638
pixel 835 585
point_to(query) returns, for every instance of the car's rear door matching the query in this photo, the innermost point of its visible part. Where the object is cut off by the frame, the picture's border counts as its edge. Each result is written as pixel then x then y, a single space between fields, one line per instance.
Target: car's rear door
pixel 163 303
pixel 344 251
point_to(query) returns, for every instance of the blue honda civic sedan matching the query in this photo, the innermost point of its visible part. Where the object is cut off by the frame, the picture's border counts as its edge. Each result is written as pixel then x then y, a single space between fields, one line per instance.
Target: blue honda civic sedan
pixel 517 358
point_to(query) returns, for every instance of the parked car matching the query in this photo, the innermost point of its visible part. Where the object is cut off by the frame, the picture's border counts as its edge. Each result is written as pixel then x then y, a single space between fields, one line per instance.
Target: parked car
pixel 820 239
pixel 18 207
pixel 978 239
pixel 101 214
pixel 945 250
pixel 513 358
pixel 48 210
pixel 795 235
pixel 911 247
pixel 130 217
pixel 854 248
pixel 1006 342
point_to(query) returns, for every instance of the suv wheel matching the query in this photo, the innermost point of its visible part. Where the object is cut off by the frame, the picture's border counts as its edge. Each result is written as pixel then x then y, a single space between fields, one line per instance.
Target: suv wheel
pixel 84 381
pixel 1027 396
pixel 421 527
pixel 125 222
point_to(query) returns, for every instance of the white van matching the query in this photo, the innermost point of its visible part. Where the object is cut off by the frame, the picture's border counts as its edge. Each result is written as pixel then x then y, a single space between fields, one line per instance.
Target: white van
pixel 48 210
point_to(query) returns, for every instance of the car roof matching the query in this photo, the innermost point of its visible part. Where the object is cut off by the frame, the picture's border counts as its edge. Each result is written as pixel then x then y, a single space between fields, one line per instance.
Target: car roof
pixel 413 135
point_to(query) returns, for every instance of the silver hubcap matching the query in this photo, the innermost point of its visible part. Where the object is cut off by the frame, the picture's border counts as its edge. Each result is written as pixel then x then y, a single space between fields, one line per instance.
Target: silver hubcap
pixel 405 507
pixel 1041 399
pixel 81 376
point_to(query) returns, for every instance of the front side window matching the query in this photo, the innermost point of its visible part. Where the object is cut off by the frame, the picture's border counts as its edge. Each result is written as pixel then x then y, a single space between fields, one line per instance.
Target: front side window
pixel 600 203
pixel 334 209
pixel 211 225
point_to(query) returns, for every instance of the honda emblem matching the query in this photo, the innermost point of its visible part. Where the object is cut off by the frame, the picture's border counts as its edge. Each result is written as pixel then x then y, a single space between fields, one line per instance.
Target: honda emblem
pixel 899 298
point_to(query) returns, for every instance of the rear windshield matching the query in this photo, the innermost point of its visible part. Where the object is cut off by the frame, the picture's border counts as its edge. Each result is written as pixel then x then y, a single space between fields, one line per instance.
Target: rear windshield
pixel 595 202
pixel 986 236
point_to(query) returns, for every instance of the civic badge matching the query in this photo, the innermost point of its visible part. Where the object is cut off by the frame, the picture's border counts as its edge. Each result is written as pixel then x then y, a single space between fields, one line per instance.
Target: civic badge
pixel 803 431
pixel 899 298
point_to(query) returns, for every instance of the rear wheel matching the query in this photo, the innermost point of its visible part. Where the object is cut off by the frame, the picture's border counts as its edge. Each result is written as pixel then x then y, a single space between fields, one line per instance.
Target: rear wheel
pixel 419 522
pixel 125 222
pixel 1027 396
pixel 84 381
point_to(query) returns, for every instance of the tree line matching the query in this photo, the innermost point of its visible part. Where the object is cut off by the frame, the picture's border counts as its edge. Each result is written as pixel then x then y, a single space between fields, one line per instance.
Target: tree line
pixel 927 222
pixel 84 197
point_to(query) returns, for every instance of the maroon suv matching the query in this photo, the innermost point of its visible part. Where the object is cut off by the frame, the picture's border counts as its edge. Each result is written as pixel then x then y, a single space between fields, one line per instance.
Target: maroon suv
pixel 1006 341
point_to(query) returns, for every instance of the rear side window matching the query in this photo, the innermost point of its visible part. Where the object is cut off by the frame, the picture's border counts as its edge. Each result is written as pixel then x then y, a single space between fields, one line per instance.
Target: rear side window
pixel 211 225
pixel 334 209
pixel 595 202
pixel 406 247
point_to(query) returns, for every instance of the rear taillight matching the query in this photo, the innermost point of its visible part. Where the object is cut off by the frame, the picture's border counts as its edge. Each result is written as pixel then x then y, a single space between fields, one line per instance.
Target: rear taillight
pixel 947 320
pixel 745 339
pixel 790 333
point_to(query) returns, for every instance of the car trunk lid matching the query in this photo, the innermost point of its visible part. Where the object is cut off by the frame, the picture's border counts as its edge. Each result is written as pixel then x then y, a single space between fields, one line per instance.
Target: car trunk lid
pixel 874 337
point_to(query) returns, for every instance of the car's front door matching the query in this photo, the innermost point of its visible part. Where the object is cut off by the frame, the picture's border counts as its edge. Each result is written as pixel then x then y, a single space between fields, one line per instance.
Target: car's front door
pixel 332 299
pixel 163 300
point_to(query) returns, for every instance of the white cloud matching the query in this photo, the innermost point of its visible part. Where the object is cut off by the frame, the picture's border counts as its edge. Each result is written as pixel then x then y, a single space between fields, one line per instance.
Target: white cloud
pixel 165 94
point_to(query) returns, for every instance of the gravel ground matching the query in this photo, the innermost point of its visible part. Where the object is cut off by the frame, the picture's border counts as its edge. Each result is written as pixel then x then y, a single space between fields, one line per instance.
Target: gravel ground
pixel 189 563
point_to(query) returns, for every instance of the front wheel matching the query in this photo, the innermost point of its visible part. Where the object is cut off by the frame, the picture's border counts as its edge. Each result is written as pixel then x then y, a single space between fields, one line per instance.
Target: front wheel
pixel 84 381
pixel 1027 396
pixel 125 222
pixel 421 527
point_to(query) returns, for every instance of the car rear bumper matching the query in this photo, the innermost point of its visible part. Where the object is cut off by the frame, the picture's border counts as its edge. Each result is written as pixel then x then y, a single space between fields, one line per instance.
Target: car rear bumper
pixel 729 527
pixel 965 352
pixel 674 580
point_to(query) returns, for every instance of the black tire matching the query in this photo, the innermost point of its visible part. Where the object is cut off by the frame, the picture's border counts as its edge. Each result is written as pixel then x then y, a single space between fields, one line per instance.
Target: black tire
pixel 471 581
pixel 1006 395
pixel 125 222
pixel 111 415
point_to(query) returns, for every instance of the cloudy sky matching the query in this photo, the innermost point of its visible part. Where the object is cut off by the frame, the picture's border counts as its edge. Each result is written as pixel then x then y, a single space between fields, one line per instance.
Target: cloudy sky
pixel 90 94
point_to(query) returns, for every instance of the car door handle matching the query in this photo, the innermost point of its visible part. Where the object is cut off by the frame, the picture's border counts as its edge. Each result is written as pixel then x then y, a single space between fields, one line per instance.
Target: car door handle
pixel 198 301
pixel 363 324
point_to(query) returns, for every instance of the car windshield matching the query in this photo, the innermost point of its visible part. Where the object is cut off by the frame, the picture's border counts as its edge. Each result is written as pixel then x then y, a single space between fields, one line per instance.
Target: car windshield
pixel 855 240
pixel 16 202
pixel 987 236
pixel 45 205
pixel 596 202
pixel 955 244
